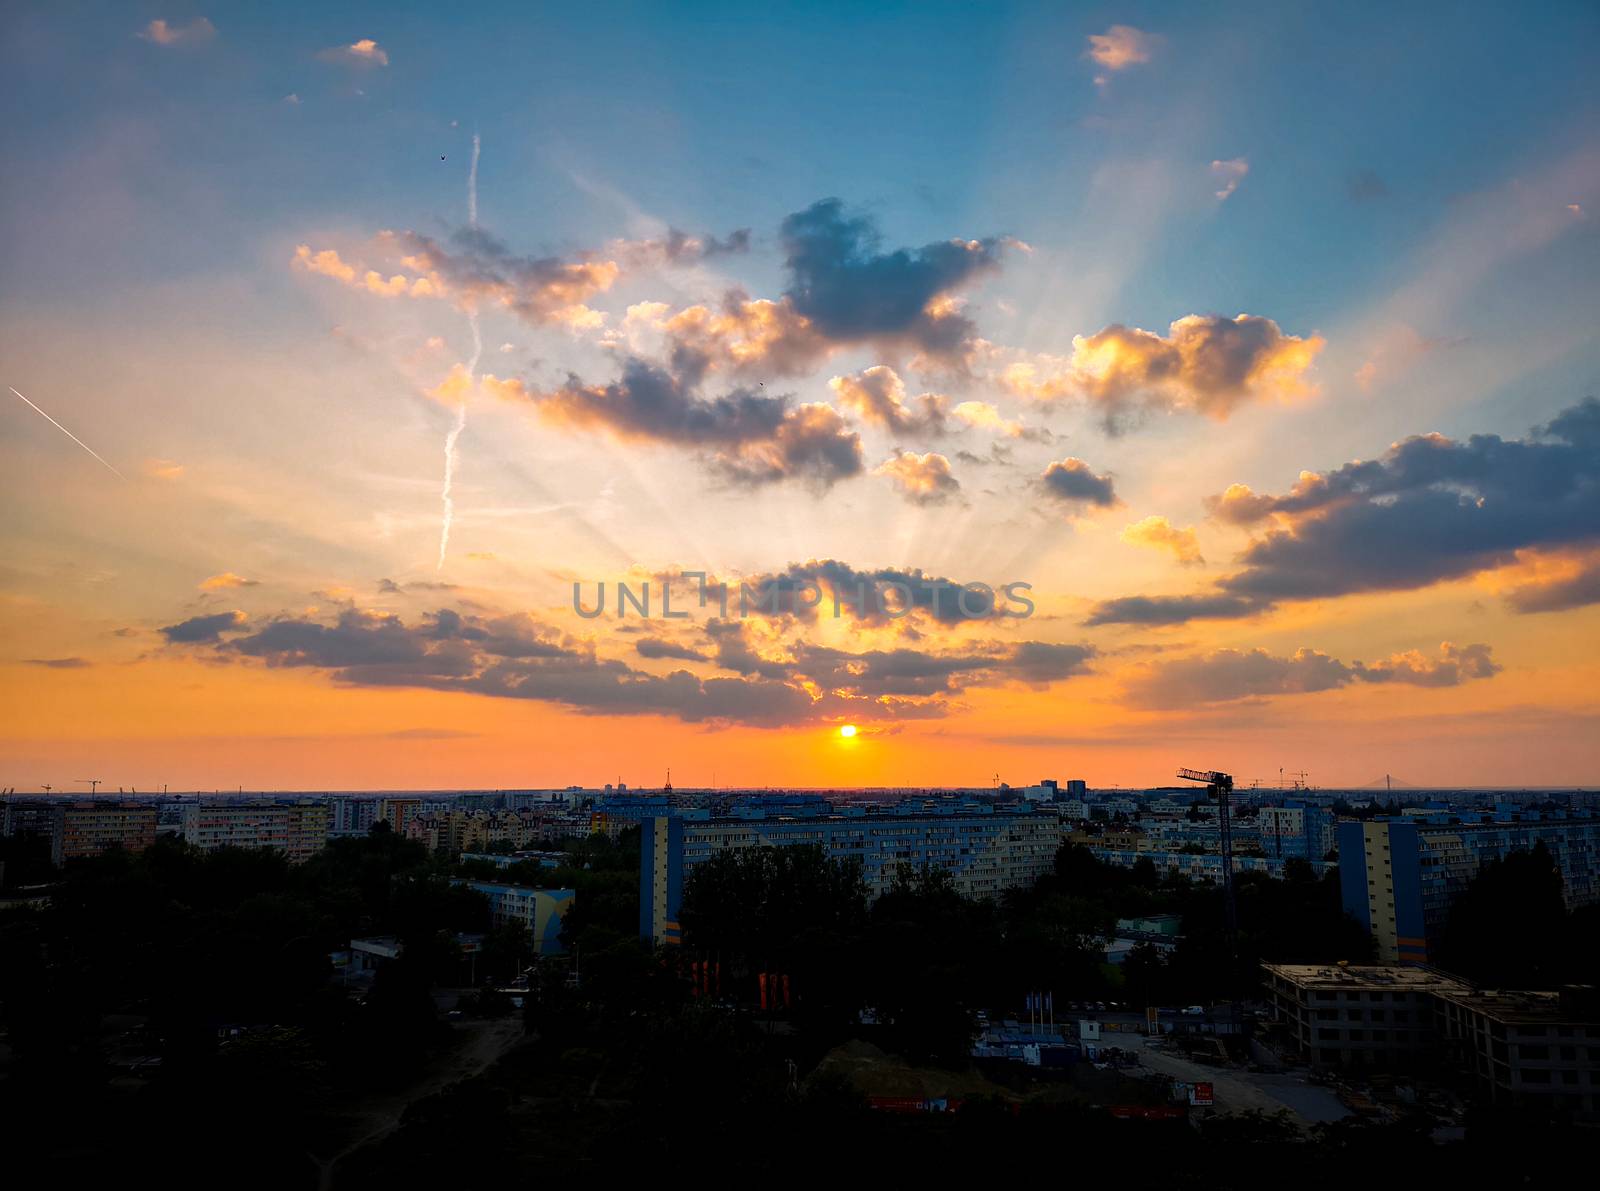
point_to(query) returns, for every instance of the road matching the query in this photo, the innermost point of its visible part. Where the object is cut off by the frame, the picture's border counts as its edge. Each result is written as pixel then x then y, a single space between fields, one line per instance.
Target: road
pixel 485 1043
pixel 1241 1091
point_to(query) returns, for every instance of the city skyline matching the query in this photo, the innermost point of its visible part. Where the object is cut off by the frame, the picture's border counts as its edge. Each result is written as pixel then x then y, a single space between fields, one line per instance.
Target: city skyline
pixel 395 335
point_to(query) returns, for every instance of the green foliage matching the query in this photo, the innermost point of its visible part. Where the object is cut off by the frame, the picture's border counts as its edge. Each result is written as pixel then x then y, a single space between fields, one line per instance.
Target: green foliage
pixel 1510 927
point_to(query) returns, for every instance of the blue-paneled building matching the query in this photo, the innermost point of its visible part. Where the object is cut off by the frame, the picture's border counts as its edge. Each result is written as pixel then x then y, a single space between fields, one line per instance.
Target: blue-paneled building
pixel 984 850
pixel 1400 876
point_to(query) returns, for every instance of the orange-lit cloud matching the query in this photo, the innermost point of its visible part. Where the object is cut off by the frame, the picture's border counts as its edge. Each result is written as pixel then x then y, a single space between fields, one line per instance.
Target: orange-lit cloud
pixel 1205 363
pixel 1120 47
pixel 1226 675
pixel 921 479
pixel 877 395
pixel 365 53
pixel 164 33
pixel 1157 533
pixel 163 469
pixel 224 581
pixel 1228 174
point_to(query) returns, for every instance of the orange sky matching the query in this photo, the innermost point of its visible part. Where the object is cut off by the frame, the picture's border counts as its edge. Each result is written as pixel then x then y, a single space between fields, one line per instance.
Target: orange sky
pixel 1286 426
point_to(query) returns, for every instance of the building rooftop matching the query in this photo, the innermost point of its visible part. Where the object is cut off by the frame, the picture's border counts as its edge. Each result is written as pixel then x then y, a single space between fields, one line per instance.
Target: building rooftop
pixel 1523 1008
pixel 1373 977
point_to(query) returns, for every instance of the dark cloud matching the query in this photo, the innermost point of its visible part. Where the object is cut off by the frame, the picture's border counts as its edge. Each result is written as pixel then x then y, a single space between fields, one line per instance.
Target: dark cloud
pixel 1075 482
pixel 1557 595
pixel 1430 509
pixel 649 402
pixel 540 289
pixel 199 629
pixel 514 656
pixel 876 597
pixel 812 444
pixel 1156 610
pixel 59 663
pixel 750 438
pixel 655 647
pixel 1229 674
pixel 852 291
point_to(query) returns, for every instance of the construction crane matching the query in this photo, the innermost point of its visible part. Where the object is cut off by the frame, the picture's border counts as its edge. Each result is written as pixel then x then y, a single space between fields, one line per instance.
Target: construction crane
pixel 92 782
pixel 1219 788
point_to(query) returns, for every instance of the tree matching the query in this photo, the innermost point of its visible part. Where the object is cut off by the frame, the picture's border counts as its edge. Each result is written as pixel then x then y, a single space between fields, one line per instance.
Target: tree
pixel 1508 928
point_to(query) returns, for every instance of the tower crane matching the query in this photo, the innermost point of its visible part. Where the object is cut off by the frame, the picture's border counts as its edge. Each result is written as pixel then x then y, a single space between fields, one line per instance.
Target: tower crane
pixel 1219 788
pixel 92 782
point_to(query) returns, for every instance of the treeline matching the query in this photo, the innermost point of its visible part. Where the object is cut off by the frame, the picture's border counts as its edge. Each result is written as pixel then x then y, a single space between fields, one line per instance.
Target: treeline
pixel 926 959
pixel 1510 928
pixel 218 964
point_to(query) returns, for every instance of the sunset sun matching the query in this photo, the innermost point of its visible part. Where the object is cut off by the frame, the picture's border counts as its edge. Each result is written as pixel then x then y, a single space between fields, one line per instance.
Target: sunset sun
pixel 847 730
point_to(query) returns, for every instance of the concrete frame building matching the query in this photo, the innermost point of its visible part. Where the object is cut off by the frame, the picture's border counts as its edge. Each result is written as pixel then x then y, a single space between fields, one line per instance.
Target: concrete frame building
pixel 1537 1050
pixel 1360 1015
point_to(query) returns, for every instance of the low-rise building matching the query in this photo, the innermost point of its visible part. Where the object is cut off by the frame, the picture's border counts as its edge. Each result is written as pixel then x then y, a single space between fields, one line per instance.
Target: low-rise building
pixel 1538 1050
pixel 540 910
pixel 1360 1015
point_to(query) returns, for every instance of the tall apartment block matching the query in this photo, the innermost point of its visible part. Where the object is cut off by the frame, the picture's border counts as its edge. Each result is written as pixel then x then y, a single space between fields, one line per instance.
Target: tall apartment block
pixel 984 851
pixel 298 829
pixel 1400 876
pixel 88 828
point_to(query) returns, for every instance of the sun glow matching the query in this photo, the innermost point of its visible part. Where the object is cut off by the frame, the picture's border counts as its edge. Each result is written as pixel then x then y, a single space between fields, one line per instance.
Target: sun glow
pixel 847 730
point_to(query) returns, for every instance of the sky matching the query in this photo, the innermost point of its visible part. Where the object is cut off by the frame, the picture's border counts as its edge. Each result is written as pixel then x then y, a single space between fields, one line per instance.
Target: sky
pixel 1243 355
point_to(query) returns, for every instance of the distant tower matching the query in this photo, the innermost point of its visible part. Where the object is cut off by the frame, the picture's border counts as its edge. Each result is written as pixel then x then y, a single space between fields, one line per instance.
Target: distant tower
pixel 667 789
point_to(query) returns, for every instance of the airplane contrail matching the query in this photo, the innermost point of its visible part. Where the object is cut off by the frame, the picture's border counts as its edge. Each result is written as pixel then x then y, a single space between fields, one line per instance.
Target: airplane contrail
pixel 70 435
pixel 445 496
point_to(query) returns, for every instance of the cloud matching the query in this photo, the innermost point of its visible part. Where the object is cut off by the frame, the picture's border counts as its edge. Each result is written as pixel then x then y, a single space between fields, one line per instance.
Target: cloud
pixel 1164 610
pixel 1074 482
pixel 655 647
pixel 1576 585
pixel 517 657
pixel 203 629
pixel 750 438
pixel 1227 675
pixel 1120 47
pixel 812 444
pixel 163 33
pixel 1228 174
pixel 364 53
pixel 851 291
pixel 1205 363
pixel 225 580
pixel 163 469
pixel 921 479
pixel 59 663
pixel 842 290
pixel 877 395
pixel 875 598
pixel 984 415
pixel 1158 533
pixel 1430 509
